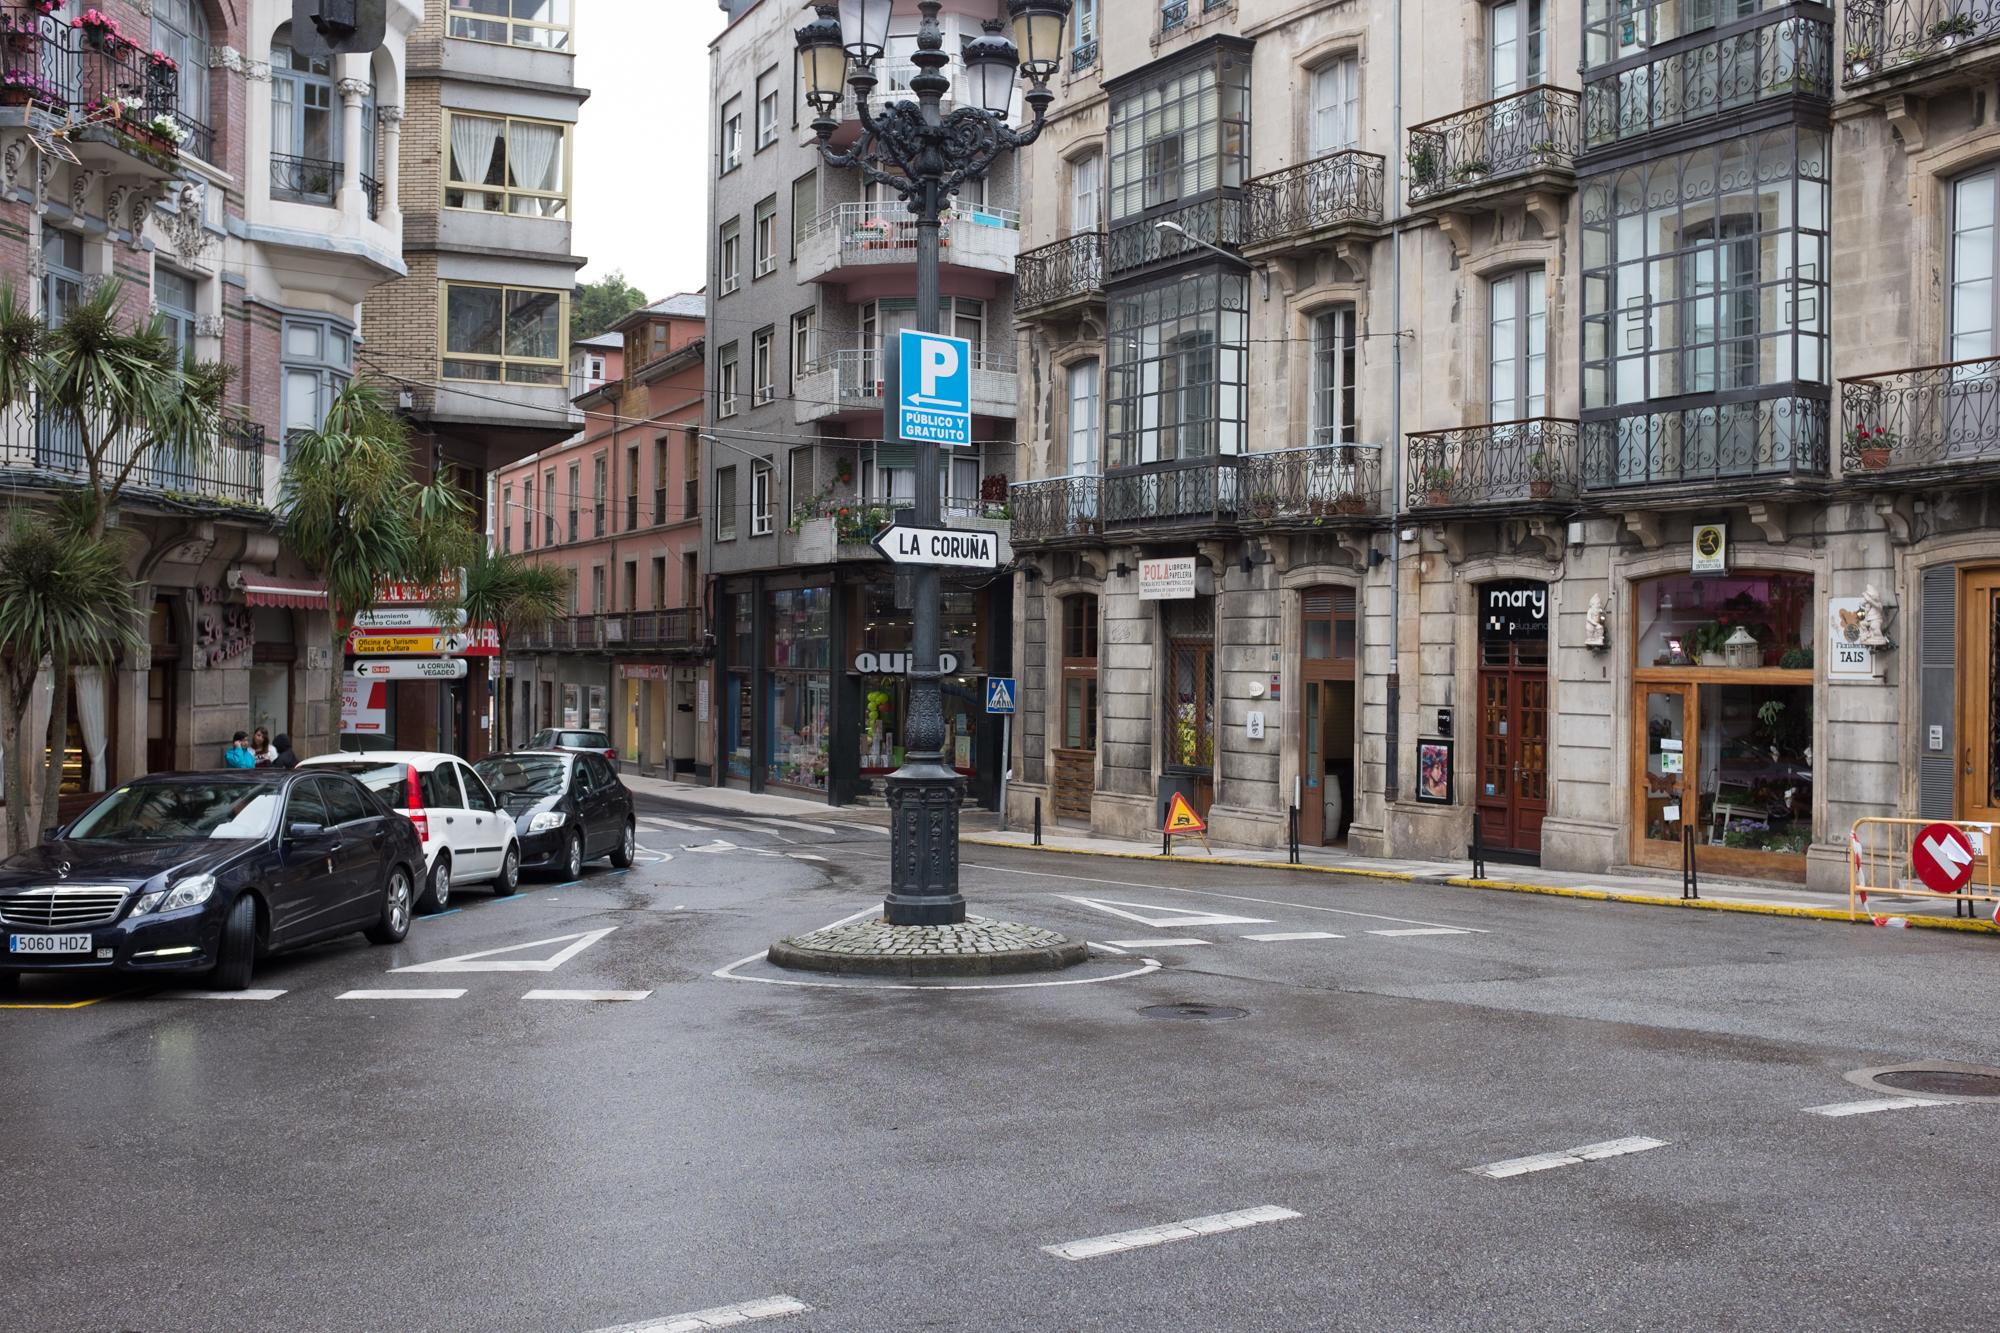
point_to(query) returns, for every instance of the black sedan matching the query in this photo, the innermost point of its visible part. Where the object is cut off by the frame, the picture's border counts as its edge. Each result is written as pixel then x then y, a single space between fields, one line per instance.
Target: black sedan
pixel 568 808
pixel 208 872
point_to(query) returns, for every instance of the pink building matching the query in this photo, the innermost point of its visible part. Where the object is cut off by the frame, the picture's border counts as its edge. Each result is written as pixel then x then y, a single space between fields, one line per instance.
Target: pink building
pixel 619 506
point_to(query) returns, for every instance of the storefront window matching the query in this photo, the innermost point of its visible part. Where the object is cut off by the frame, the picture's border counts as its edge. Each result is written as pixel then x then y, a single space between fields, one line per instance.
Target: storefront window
pixel 799 702
pixel 884 629
pixel 736 723
pixel 1737 620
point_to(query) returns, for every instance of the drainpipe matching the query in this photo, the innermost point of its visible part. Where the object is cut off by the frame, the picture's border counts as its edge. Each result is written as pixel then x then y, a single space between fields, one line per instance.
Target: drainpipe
pixel 1393 726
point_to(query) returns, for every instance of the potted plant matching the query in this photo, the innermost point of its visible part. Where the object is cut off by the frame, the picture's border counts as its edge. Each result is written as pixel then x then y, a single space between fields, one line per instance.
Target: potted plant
pixel 1541 475
pixel 1351 502
pixel 1860 62
pixel 1437 479
pixel 1543 151
pixel 1797 659
pixel 1949 30
pixel 1264 505
pixel 1423 164
pixel 1709 642
pixel 99 30
pixel 1872 445
pixel 1472 170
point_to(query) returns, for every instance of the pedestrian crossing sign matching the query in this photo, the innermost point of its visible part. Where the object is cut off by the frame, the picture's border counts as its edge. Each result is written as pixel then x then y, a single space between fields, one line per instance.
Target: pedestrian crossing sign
pixel 1181 817
pixel 999 694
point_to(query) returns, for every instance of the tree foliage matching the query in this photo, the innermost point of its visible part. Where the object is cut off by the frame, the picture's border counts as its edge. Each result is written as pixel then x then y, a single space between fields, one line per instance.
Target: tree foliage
pixel 596 306
pixel 511 594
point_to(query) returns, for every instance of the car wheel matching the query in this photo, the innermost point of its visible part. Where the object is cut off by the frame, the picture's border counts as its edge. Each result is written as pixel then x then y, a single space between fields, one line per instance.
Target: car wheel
pixel 628 843
pixel 437 886
pixel 395 922
pixel 239 946
pixel 510 873
pixel 573 859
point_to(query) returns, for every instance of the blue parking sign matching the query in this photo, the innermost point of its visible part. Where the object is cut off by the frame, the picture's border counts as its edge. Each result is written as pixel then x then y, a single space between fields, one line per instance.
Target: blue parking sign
pixel 934 388
pixel 999 694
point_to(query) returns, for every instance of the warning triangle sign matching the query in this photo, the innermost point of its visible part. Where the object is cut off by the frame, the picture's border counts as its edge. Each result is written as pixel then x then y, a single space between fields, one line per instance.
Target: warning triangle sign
pixel 1181 817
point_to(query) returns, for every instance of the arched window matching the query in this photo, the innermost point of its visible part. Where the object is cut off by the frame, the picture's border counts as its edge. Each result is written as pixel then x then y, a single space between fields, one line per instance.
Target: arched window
pixel 180 30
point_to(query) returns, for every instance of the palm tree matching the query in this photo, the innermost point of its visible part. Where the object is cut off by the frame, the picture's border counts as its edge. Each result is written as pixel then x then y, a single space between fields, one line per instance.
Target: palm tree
pixel 509 593
pixel 64 594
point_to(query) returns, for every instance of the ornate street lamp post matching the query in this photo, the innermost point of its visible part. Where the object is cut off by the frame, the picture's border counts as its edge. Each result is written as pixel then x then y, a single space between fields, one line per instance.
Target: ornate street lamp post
pixel 924 155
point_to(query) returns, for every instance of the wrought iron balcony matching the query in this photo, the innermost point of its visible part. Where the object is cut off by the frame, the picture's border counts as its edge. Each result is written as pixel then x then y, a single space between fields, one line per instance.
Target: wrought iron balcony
pixel 1195 492
pixel 1083 56
pixel 1312 486
pixel 1173 15
pixel 1514 463
pixel 373 189
pixel 87 72
pixel 1780 439
pixel 1532 133
pixel 1885 39
pixel 673 629
pixel 1941 421
pixel 854 240
pixel 849 380
pixel 304 180
pixel 1064 272
pixel 1134 245
pixel 1784 57
pixel 1305 203
pixel 231 469
pixel 1055 509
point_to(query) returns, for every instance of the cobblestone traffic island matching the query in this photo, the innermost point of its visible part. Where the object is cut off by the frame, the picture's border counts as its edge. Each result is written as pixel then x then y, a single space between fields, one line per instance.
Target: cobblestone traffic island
pixel 977 947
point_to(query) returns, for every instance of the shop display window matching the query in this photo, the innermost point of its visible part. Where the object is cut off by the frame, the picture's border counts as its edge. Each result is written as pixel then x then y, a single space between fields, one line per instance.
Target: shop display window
pixel 1746 621
pixel 736 721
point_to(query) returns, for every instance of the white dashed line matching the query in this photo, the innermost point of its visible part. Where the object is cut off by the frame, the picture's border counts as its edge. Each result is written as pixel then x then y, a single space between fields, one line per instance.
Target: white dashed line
pixel 1214 1225
pixel 1295 935
pixel 1155 944
pixel 586 995
pixel 1427 930
pixel 1589 1152
pixel 218 995
pixel 1870 1107
pixel 401 993
pixel 804 856
pixel 722 1316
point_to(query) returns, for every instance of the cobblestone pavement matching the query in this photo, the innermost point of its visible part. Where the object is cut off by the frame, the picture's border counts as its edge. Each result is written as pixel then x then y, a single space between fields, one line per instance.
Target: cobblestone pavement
pixel 976 935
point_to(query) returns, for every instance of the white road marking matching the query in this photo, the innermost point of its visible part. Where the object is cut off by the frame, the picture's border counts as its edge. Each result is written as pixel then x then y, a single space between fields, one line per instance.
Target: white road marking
pixel 1157 944
pixel 717 846
pixel 1119 1242
pixel 1161 918
pixel 218 995
pixel 586 995
pixel 1295 935
pixel 1589 1152
pixel 1108 948
pixel 1425 930
pixel 484 960
pixel 405 993
pixel 1869 1107
pixel 659 822
pixel 735 825
pixel 722 1316
pixel 804 856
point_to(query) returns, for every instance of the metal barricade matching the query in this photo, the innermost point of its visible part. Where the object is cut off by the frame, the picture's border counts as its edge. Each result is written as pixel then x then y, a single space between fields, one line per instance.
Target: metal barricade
pixel 1882 854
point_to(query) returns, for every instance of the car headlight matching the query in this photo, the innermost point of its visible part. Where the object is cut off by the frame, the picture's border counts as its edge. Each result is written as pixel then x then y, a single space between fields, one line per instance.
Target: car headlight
pixel 190 892
pixel 546 820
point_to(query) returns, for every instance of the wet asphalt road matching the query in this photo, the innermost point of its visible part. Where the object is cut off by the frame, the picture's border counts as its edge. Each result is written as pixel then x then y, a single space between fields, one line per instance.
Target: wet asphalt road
pixel 898 1158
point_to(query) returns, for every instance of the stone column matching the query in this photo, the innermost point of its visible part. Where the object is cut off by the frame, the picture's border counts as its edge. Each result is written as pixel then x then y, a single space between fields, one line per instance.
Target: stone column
pixel 353 203
pixel 389 124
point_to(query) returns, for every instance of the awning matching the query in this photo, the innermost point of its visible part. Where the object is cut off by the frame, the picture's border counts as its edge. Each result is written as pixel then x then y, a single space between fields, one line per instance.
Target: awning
pixel 300 594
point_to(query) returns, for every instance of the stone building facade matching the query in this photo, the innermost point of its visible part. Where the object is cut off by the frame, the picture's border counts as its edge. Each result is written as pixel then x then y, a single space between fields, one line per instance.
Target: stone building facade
pixel 1426 436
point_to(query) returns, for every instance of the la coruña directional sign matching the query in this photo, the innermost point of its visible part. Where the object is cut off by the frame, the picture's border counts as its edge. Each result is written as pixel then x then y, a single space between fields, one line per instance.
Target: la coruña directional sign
pixel 934 388
pixel 961 548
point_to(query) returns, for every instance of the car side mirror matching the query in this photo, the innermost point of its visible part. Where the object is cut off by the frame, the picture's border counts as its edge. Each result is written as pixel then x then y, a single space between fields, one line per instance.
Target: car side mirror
pixel 52 833
pixel 305 831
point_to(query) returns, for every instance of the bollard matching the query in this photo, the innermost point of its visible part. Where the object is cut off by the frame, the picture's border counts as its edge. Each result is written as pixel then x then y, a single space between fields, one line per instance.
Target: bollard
pixel 1293 832
pixel 1690 871
pixel 1478 848
pixel 1038 821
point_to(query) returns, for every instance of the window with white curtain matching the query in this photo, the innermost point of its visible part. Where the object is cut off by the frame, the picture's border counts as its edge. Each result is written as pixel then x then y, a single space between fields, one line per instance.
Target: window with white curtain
pixel 318 359
pixel 500 164
pixel 174 298
pixel 1517 345
pixel 1513 46
pixel 1084 410
pixel 305 122
pixel 180 32
pixel 1336 92
pixel 1333 385
pixel 1971 312
pixel 1086 192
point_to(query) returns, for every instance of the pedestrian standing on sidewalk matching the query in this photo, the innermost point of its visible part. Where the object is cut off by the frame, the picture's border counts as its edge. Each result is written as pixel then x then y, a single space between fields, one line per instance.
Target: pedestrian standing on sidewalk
pixel 238 754
pixel 282 747
pixel 260 746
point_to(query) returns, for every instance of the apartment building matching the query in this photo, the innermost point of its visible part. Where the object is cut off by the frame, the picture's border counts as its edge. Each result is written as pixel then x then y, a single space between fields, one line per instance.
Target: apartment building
pixel 1437 441
pixel 229 184
pixel 619 506
pixel 812 274
pixel 475 336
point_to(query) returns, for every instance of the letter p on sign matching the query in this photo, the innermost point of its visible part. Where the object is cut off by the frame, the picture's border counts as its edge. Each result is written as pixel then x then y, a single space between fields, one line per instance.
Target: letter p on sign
pixel 941 362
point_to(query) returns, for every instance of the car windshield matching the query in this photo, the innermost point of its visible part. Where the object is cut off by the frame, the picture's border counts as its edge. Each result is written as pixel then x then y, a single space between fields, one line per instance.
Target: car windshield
pixel 181 811
pixel 528 775
pixel 391 782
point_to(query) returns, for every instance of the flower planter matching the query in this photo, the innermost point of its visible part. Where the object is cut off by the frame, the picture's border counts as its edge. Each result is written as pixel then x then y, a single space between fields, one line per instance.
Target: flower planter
pixel 1541 488
pixel 1351 504
pixel 1437 498
pixel 1874 460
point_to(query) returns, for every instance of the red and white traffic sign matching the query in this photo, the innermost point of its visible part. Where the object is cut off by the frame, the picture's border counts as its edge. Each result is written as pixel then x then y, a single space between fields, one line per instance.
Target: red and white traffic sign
pixel 1942 858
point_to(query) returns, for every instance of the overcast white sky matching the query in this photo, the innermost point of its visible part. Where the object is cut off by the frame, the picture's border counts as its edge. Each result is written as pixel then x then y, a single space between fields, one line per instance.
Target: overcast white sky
pixel 640 177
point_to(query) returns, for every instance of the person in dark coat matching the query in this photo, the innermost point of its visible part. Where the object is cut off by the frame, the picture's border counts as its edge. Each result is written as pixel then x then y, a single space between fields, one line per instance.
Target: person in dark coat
pixel 286 759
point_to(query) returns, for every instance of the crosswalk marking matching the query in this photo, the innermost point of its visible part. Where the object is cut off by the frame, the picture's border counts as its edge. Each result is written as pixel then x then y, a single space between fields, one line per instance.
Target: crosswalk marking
pixel 804 856
pixel 1155 944
pixel 612 995
pixel 401 993
pixel 1589 1152
pixel 219 994
pixel 1426 930
pixel 1215 1224
pixel 659 821
pixel 721 1316
pixel 1295 935
pixel 1870 1107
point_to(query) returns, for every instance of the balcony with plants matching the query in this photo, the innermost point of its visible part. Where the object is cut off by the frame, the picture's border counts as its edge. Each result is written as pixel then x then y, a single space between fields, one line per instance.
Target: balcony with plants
pixel 1065 277
pixel 1926 424
pixel 842 494
pixel 1918 47
pixel 1519 466
pixel 1748 445
pixel 116 104
pixel 1334 196
pixel 38 448
pixel 1495 151
pixel 1329 484
pixel 847 384
pixel 856 240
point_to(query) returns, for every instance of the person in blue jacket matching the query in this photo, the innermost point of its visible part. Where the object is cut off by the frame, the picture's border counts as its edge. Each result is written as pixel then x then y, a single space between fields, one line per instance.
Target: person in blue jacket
pixel 239 754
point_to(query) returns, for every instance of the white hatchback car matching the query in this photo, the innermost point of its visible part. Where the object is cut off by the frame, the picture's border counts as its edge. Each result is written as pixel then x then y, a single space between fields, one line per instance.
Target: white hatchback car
pixel 467 837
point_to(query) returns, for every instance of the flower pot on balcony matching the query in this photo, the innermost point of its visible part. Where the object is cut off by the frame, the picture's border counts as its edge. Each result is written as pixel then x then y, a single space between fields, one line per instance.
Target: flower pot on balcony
pixel 1351 504
pixel 1437 498
pixel 1541 488
pixel 1874 460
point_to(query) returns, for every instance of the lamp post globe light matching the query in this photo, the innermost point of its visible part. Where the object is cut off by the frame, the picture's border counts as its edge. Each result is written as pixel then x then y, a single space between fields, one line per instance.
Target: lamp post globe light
pixel 925 155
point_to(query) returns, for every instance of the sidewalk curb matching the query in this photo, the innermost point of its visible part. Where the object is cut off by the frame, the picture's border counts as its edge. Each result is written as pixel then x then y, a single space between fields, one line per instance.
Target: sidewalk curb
pixel 1839 915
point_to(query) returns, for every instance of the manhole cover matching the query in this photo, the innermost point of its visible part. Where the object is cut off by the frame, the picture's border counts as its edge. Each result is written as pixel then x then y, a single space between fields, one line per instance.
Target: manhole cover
pixel 1192 1012
pixel 1933 1078
pixel 1942 1082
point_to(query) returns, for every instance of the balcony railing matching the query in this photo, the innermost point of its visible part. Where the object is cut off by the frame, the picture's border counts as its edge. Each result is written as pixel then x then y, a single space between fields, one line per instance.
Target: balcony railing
pixel 1312 484
pixel 198 137
pixel 304 180
pixel 373 189
pixel 1222 221
pixel 1054 508
pixel 1942 417
pixel 1065 270
pixel 231 469
pixel 1173 15
pixel 1504 462
pixel 1780 438
pixel 1887 36
pixel 1784 57
pixel 852 234
pixel 670 629
pixel 1190 490
pixel 1534 130
pixel 44 60
pixel 1083 56
pixel 858 371
pixel 1313 196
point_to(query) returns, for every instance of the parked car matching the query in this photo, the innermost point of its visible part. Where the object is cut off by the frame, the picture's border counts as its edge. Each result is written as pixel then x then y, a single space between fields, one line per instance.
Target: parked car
pixel 467 838
pixel 576 742
pixel 568 808
pixel 194 872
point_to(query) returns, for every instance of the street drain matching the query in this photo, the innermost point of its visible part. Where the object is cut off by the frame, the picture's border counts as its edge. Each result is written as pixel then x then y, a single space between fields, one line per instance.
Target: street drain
pixel 1934 1078
pixel 1194 1013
